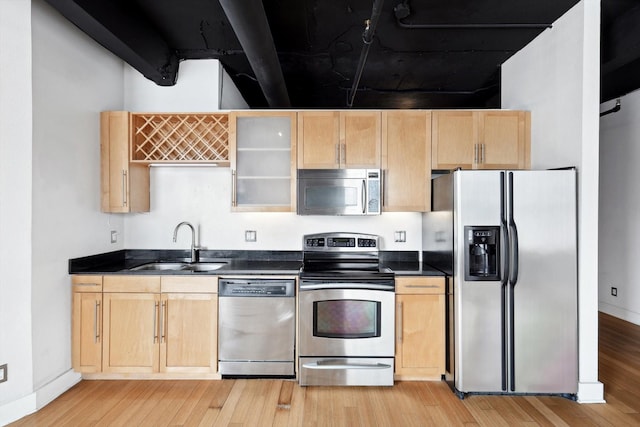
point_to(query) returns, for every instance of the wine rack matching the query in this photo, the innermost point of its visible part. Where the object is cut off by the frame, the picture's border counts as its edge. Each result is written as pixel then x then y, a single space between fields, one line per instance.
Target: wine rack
pixel 177 137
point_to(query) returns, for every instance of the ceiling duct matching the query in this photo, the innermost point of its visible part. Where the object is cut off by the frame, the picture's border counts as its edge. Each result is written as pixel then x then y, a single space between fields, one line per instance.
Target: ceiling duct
pixel 249 21
pixel 402 11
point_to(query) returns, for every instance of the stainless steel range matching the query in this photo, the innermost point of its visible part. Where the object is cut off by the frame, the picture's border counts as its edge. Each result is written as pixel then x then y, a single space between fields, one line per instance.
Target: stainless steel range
pixel 346 312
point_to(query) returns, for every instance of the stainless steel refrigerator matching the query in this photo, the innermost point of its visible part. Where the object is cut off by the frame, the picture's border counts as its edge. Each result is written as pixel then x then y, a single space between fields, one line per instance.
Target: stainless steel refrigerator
pixel 511 241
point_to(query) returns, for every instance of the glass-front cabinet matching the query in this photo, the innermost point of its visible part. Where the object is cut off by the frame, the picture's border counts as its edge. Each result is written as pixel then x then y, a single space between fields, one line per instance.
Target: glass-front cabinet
pixel 263 160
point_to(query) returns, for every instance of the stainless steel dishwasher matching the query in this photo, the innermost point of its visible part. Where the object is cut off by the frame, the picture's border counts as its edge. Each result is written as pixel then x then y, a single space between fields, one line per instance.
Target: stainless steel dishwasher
pixel 256 327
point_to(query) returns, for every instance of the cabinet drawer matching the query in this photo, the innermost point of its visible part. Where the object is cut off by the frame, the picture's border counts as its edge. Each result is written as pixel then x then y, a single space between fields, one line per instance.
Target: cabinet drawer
pixel 201 285
pixel 420 285
pixel 131 283
pixel 86 283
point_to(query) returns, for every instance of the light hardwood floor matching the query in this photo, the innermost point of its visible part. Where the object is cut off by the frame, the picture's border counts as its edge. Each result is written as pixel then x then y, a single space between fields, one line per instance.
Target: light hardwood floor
pixel 284 403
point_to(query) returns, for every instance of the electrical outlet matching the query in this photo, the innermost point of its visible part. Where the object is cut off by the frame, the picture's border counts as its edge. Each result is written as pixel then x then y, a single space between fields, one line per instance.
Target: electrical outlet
pixel 4 371
pixel 250 236
pixel 614 291
pixel 400 236
pixel 114 236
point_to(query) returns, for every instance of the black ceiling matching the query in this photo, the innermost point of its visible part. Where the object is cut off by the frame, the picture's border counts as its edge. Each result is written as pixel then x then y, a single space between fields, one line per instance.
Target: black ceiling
pixel 318 45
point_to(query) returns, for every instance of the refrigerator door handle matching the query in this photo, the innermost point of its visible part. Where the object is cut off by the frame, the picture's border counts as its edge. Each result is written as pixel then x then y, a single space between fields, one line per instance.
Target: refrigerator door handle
pixel 513 233
pixel 506 259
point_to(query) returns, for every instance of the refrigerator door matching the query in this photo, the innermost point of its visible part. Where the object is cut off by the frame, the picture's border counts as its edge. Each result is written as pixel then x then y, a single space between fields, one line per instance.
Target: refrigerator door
pixel 543 299
pixel 478 305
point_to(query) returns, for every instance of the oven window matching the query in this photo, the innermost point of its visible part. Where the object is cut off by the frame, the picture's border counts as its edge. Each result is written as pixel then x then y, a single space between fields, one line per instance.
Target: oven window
pixel 346 318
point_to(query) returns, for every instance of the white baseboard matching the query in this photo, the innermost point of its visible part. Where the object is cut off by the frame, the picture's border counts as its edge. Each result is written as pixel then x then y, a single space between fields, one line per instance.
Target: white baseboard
pixel 47 393
pixel 619 312
pixel 591 392
pixel 13 411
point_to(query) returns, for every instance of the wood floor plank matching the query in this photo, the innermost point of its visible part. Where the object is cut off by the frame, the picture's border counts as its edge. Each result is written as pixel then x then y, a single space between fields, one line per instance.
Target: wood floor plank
pixel 212 400
pixel 222 411
pixel 126 408
pixel 94 405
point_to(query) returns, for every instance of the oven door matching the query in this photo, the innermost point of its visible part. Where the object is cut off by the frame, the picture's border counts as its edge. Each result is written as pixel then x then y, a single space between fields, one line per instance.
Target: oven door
pixel 346 323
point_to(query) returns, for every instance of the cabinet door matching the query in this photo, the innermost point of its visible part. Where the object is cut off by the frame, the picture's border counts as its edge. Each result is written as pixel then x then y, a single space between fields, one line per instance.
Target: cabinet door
pixel 188 333
pixel 504 138
pixel 263 160
pixel 406 160
pixel 131 332
pixel 87 332
pixel 360 137
pixel 318 140
pixel 125 186
pixel 454 139
pixel 420 342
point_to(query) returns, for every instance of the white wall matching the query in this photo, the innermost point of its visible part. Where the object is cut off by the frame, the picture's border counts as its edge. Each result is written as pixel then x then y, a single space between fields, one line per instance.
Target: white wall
pixel 202 195
pixel 619 204
pixel 53 162
pixel 230 97
pixel 15 208
pixel 73 80
pixel 196 89
pixel 557 77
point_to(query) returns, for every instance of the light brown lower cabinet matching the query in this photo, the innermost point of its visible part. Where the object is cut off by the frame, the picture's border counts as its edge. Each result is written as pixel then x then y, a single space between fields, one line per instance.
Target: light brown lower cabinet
pixel 86 321
pixel 151 325
pixel 420 334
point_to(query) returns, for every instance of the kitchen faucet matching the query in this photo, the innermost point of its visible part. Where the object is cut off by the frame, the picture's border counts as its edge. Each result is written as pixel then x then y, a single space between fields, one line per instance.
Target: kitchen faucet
pixel 194 249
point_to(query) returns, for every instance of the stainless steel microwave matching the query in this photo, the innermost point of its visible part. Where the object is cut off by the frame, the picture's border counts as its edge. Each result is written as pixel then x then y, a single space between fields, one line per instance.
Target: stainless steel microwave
pixel 339 192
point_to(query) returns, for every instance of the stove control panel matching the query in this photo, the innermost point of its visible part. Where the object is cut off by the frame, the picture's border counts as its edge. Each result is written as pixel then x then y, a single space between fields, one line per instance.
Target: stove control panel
pixel 340 242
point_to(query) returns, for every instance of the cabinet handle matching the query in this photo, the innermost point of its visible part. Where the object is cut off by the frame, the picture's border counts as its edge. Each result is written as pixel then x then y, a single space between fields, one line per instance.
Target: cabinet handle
pixel 343 153
pixel 96 324
pixel 155 322
pixel 475 153
pixel 163 319
pixel 421 286
pixel 481 153
pixel 337 153
pixel 124 187
pixel 399 321
pixel 233 188
pixel 87 284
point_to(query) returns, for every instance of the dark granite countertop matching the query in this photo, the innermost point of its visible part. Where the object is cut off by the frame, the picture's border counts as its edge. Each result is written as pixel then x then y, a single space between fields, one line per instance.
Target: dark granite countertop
pixel 403 263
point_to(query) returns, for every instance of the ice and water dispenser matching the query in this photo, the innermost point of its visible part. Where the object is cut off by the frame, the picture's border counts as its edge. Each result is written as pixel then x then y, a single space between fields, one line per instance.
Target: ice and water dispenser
pixel 482 253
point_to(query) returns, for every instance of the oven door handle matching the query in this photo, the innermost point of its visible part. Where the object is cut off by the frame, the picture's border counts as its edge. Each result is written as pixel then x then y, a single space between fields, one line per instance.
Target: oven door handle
pixel 344 364
pixel 304 286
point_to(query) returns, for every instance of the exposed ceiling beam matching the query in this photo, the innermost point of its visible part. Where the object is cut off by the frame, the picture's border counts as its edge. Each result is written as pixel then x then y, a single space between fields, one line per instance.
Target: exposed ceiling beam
pixel 126 33
pixel 249 22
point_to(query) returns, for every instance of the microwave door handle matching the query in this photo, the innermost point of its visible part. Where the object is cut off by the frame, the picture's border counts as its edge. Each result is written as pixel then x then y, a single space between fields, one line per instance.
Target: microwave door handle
pixel 364 196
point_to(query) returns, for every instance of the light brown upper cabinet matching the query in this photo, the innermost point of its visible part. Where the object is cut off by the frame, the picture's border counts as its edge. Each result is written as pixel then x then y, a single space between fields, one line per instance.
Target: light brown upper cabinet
pixel 339 139
pixel 132 141
pixel 262 145
pixel 481 139
pixel 406 160
pixel 125 185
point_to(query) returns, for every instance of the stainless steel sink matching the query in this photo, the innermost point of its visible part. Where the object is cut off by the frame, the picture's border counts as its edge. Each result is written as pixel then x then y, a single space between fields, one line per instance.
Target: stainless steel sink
pixel 180 266
pixel 205 266
pixel 161 266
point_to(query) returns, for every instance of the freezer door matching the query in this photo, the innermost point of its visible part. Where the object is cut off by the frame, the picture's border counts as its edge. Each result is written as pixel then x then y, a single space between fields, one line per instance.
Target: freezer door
pixel 544 298
pixel 478 308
